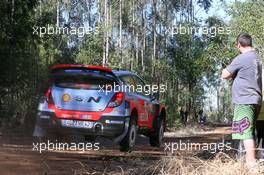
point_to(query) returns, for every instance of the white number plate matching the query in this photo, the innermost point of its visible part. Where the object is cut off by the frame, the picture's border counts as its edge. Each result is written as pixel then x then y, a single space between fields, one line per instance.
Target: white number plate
pixel 77 124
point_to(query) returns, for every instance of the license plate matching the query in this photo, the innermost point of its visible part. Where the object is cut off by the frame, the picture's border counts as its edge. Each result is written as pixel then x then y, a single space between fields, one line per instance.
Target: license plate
pixel 77 124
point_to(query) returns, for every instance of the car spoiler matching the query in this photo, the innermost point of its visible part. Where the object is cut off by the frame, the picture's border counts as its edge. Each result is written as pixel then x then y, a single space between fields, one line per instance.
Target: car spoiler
pixel 66 66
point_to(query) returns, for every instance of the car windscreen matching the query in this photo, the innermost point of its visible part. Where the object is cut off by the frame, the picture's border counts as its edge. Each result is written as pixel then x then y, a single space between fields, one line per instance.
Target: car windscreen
pixel 83 79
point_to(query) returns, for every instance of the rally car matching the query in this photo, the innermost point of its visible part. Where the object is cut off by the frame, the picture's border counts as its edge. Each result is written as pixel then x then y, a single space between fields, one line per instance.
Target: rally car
pixel 97 101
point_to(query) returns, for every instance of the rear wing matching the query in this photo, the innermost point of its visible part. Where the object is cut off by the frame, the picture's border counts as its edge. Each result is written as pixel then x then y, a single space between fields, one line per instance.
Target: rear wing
pixel 62 67
pixel 81 66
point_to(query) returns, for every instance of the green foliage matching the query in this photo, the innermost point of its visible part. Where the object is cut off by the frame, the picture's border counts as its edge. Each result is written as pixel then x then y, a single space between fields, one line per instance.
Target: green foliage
pixel 90 52
pixel 188 64
pixel 249 17
pixel 18 61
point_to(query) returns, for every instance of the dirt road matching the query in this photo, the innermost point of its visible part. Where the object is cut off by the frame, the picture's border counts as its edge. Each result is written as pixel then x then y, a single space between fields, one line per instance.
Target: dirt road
pixel 18 157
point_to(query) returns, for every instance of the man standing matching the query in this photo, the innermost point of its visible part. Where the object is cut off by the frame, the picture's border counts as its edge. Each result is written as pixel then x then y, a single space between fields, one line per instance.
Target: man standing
pixel 245 70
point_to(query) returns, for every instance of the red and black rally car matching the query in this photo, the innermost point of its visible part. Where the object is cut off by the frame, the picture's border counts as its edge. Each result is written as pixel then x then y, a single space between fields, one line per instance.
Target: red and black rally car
pixel 97 101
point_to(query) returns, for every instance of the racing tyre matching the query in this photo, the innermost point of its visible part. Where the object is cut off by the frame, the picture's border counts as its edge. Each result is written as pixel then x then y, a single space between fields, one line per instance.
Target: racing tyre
pixel 128 142
pixel 156 139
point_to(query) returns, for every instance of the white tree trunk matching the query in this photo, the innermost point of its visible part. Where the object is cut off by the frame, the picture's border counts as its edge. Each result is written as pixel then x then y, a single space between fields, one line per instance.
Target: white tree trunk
pixel 144 40
pixel 13 10
pixel 106 39
pixel 58 13
pixel 154 37
pixel 107 34
pixel 137 49
pixel 120 31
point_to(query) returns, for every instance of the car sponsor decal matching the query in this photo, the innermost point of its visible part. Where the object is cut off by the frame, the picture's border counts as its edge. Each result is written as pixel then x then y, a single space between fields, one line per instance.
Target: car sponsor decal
pixel 143 117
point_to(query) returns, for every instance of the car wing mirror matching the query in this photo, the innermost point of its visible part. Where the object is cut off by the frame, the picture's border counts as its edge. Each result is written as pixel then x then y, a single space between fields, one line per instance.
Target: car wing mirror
pixel 154 96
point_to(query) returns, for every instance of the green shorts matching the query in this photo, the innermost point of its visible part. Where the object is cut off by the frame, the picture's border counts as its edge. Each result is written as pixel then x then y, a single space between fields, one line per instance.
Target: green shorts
pixel 243 125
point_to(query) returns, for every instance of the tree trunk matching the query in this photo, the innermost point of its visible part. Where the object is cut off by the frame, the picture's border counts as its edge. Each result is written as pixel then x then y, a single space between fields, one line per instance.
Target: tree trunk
pixel 99 6
pixel 137 61
pixel 13 10
pixel 107 34
pixel 58 14
pixel 132 36
pixel 89 10
pixel 144 40
pixel 120 31
pixel 154 37
pixel 218 104
pixel 106 39
pixel 40 8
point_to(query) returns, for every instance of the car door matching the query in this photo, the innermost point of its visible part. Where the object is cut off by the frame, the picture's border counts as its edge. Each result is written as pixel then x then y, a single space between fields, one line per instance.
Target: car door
pixel 146 102
pixel 137 98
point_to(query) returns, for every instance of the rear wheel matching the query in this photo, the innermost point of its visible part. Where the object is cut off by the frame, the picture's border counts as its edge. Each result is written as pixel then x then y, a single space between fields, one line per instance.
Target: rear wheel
pixel 128 142
pixel 156 138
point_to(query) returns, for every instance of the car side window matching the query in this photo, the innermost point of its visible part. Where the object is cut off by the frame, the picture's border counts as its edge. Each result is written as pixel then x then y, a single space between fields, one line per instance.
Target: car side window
pixel 140 85
pixel 138 81
pixel 129 83
pixel 127 80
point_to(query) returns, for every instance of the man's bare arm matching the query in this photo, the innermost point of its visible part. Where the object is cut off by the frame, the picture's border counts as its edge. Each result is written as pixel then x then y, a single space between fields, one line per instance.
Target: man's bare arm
pixel 226 75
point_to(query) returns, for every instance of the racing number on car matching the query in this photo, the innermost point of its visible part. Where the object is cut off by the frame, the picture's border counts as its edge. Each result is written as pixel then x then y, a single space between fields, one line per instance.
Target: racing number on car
pixel 144 114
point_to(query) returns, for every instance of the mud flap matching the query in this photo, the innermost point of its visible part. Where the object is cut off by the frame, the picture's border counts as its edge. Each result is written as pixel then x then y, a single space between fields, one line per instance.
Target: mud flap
pixel 122 136
pixel 38 131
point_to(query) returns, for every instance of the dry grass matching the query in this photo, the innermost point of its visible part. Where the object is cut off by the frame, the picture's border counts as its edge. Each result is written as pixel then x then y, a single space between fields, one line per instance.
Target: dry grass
pixel 194 129
pixel 221 164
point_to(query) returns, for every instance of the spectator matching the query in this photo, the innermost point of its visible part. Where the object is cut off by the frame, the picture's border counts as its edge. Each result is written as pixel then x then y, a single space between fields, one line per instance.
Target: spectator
pixel 245 70
pixel 185 116
pixel 182 115
pixel 201 118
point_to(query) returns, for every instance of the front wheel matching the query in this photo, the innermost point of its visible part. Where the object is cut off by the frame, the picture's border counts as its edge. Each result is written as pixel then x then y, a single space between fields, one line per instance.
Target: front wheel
pixel 128 142
pixel 156 139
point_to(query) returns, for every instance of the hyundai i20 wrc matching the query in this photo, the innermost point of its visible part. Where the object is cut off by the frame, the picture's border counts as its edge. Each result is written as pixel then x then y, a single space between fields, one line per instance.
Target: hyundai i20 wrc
pixel 97 101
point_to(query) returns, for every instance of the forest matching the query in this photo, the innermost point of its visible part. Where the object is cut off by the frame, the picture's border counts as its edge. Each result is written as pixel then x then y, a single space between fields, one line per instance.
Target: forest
pixel 172 42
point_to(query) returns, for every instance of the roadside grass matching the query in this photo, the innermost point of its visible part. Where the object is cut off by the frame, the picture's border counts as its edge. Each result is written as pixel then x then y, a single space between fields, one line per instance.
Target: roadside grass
pixel 221 164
